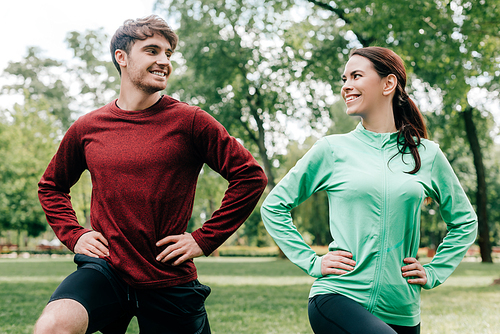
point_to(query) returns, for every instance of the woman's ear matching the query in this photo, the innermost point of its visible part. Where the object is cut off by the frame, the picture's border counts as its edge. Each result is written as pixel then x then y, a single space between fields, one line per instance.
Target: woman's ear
pixel 121 57
pixel 390 84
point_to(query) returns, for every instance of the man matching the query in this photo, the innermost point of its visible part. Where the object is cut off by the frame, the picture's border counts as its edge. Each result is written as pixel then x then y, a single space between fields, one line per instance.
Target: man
pixel 144 152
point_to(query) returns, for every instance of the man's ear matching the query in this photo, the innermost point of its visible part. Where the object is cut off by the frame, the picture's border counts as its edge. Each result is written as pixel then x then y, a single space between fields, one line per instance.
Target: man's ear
pixel 390 84
pixel 121 58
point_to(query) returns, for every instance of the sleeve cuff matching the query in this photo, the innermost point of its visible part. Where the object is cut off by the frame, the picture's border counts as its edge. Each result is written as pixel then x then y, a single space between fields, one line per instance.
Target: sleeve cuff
pixel 199 240
pixel 316 268
pixel 430 278
pixel 71 245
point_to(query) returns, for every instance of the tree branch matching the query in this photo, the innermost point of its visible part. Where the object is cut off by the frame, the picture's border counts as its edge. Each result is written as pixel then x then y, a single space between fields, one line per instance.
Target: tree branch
pixel 249 131
pixel 341 14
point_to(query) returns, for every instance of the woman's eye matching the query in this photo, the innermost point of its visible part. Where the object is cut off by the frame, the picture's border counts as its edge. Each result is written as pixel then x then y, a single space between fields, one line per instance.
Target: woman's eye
pixel 357 76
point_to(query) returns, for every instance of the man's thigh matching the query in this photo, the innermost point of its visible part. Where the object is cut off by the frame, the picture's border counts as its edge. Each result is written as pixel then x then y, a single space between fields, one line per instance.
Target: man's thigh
pixel 95 287
pixel 179 309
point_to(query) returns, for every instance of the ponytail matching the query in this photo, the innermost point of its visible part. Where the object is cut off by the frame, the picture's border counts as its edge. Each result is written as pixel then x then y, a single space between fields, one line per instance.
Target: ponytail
pixel 407 118
pixel 411 127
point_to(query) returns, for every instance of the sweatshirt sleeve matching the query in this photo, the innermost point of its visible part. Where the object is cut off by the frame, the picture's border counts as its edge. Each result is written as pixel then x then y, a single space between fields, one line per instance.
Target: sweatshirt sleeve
pixel 247 181
pixel 460 219
pixel 62 173
pixel 307 177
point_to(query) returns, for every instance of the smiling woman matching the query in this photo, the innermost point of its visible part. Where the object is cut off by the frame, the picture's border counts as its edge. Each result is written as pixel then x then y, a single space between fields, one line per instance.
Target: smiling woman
pixel 370 280
pixel 380 74
pixel 366 94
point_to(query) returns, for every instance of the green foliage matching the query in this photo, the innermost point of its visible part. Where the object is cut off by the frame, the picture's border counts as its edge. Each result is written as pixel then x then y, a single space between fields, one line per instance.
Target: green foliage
pixel 449 47
pixel 443 42
pixel 256 234
pixel 27 142
pixel 258 67
pixel 98 78
pixel 492 161
pixel 209 193
pixel 40 80
pixel 29 134
pixel 233 64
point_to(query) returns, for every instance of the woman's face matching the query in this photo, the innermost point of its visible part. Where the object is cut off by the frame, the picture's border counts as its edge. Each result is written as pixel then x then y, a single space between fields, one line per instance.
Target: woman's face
pixel 363 88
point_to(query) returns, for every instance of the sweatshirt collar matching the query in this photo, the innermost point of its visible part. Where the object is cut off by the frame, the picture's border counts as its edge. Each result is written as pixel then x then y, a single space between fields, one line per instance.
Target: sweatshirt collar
pixel 374 139
pixel 155 108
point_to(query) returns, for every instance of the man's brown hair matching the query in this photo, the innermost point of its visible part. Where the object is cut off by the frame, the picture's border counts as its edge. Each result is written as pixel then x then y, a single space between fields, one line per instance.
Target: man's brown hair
pixel 140 29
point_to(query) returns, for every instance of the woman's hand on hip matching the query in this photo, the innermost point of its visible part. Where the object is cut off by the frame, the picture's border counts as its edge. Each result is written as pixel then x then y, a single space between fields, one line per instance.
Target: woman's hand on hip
pixel 414 269
pixel 337 263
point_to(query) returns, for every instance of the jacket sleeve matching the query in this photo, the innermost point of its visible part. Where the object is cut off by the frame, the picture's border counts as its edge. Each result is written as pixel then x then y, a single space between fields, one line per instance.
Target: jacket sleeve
pixel 247 180
pixel 307 177
pixel 62 173
pixel 460 219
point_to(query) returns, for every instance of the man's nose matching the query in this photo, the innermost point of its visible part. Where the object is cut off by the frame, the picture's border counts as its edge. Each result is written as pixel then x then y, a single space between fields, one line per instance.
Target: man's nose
pixel 163 60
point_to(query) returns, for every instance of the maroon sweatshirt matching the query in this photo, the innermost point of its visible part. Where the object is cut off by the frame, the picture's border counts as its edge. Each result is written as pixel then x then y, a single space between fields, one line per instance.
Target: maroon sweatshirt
pixel 144 167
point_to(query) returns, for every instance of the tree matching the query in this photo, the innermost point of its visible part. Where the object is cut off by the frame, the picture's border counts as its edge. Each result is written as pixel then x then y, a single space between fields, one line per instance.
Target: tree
pixel 28 139
pixel 38 79
pixel 232 63
pixel 451 45
pixel 29 133
pixel 209 193
pixel 92 68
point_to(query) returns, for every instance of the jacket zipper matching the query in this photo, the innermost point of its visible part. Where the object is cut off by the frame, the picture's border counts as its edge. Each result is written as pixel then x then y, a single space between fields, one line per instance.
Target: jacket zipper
pixel 378 270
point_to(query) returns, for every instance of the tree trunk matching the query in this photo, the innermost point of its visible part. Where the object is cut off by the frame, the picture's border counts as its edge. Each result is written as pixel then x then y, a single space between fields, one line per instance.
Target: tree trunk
pixel 268 168
pixel 481 194
pixel 255 103
pixel 19 239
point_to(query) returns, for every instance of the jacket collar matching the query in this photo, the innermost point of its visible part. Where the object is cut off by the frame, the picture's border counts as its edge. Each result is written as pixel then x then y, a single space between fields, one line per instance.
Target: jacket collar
pixel 374 139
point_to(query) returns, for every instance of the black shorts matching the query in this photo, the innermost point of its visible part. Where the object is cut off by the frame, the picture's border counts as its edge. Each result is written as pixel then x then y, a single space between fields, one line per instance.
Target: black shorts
pixel 111 303
pixel 334 313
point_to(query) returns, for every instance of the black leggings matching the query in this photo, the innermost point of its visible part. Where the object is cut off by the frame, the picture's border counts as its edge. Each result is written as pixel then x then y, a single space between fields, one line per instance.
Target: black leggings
pixel 337 314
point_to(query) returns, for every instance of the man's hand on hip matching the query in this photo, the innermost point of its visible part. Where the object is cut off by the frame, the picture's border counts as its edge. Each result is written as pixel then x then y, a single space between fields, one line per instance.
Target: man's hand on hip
pixel 182 246
pixel 92 244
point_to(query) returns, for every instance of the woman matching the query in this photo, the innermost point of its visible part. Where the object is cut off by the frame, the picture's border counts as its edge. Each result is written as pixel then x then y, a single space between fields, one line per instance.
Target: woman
pixel 376 178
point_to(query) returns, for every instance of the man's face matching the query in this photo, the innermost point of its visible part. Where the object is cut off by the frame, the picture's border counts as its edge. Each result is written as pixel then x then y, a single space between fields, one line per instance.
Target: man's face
pixel 148 64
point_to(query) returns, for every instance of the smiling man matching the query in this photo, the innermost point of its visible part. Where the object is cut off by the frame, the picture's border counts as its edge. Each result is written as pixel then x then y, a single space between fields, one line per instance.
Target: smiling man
pixel 144 152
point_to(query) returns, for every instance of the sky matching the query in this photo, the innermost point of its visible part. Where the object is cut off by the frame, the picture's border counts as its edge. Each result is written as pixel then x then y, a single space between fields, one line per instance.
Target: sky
pixel 45 23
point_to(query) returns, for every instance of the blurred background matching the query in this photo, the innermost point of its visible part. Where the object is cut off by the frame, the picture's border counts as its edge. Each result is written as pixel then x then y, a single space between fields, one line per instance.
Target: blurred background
pixel 269 71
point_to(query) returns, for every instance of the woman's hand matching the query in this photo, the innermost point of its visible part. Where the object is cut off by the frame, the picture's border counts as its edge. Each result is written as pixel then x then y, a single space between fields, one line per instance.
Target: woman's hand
pixel 337 263
pixel 414 269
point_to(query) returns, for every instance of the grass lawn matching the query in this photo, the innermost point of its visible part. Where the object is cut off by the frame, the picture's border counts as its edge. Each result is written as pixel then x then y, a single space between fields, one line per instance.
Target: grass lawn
pixel 257 295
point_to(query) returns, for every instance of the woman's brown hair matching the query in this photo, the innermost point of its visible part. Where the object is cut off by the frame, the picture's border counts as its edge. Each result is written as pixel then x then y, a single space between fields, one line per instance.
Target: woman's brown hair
pixel 407 117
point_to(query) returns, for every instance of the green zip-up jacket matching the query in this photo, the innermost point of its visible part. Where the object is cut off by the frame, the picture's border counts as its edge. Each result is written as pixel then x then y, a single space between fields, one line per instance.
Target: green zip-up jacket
pixel 374 213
